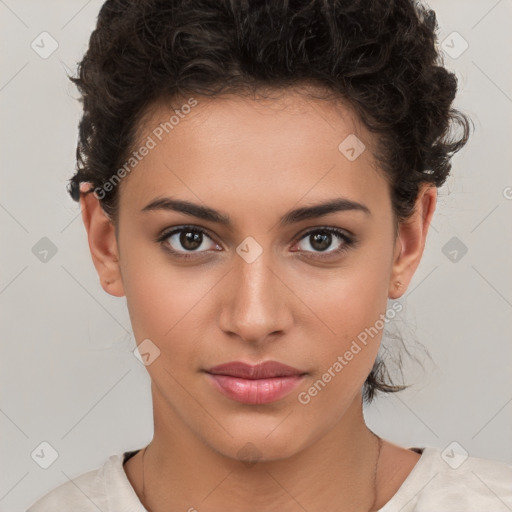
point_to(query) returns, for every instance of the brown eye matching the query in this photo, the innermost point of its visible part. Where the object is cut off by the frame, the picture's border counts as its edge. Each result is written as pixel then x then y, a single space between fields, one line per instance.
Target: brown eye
pixel 187 241
pixel 320 240
pixel 190 240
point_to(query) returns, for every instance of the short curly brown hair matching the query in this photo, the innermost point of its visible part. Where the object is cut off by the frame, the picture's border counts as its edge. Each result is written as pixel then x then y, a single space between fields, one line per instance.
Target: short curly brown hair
pixel 379 56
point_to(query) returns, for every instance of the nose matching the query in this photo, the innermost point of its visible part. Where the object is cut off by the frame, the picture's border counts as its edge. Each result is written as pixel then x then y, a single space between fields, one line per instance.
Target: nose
pixel 256 303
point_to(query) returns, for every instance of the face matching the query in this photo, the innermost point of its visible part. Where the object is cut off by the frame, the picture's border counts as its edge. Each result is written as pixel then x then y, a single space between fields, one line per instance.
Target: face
pixel 237 277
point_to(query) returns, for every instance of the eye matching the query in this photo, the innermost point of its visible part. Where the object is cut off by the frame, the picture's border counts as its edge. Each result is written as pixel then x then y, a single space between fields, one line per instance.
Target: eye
pixel 191 241
pixel 321 239
pixel 185 241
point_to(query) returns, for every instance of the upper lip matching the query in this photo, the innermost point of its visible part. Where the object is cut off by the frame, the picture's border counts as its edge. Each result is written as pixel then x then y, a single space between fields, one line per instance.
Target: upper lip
pixel 265 370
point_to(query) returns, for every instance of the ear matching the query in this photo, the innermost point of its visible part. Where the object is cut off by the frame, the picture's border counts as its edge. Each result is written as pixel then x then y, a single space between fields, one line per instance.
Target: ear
pixel 102 242
pixel 410 241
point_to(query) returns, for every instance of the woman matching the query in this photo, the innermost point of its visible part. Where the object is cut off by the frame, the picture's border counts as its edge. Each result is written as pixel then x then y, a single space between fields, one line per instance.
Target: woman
pixel 258 179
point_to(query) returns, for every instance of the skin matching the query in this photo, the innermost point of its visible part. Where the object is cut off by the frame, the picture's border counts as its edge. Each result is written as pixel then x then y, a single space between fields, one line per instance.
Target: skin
pixel 254 161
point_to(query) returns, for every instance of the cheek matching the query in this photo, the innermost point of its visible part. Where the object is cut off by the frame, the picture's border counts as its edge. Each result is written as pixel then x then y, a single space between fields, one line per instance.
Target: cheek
pixel 351 305
pixel 168 305
pixel 355 314
pixel 353 297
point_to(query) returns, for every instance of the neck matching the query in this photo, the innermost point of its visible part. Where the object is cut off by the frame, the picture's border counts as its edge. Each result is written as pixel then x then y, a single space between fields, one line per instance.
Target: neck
pixel 337 471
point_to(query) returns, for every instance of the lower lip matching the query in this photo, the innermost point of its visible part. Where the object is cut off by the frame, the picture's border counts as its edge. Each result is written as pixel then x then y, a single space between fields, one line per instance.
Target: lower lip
pixel 255 391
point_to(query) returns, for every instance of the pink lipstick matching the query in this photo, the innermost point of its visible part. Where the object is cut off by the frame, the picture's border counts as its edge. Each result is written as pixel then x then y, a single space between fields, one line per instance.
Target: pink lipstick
pixel 255 384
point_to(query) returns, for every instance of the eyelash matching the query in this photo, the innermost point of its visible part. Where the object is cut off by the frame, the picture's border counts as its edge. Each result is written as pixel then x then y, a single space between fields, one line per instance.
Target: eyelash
pixel 348 242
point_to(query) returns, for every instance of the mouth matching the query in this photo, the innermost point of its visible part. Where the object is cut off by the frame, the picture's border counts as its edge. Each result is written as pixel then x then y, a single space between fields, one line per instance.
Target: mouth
pixel 255 384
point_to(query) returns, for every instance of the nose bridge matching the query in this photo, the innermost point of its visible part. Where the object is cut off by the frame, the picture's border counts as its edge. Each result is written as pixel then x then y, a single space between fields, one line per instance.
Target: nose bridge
pixel 256 305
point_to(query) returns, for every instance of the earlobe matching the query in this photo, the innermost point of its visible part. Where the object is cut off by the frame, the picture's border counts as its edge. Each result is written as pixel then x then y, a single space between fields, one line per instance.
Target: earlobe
pixel 410 241
pixel 102 242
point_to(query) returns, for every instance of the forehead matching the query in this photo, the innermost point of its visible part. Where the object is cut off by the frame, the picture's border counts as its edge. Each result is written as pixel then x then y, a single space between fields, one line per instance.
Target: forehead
pixel 254 150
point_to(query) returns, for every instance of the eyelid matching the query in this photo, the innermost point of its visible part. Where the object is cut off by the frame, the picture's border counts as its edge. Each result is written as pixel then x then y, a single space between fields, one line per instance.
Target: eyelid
pixel 330 229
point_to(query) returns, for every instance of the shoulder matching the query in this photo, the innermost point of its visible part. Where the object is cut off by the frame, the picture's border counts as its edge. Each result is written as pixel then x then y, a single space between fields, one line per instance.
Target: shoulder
pixel 483 478
pixel 103 488
pixel 449 481
pixel 82 493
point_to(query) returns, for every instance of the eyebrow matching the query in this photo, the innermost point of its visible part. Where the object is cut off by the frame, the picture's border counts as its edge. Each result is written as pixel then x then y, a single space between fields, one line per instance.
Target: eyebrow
pixel 291 217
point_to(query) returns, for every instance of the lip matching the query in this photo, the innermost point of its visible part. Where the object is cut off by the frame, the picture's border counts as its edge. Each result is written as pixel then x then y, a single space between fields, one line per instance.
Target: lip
pixel 265 370
pixel 255 384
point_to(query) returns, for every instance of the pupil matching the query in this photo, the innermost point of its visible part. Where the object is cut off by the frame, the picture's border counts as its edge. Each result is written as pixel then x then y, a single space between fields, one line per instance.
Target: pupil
pixel 190 239
pixel 324 239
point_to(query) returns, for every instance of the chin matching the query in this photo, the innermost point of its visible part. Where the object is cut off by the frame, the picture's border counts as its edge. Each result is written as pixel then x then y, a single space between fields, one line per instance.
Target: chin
pixel 257 447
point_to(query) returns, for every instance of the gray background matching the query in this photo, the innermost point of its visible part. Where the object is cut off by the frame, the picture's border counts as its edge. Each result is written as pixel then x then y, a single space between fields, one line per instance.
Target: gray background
pixel 68 376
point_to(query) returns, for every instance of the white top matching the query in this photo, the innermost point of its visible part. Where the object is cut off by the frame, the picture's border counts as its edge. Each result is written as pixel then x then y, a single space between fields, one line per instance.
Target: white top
pixel 475 485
